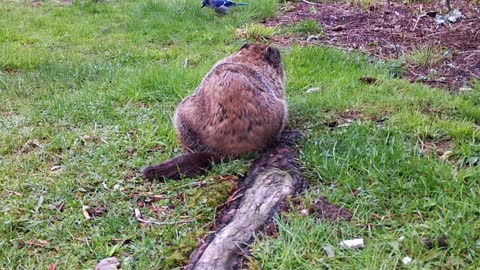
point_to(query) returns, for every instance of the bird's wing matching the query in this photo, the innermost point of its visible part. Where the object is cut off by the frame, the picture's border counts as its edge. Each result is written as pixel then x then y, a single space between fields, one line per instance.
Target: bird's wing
pixel 219 3
pixel 228 3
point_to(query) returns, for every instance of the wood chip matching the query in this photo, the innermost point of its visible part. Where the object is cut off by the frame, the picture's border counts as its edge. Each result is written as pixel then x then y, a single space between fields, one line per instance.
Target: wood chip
pixel 85 212
pixel 54 168
pixel 11 192
pixel 446 155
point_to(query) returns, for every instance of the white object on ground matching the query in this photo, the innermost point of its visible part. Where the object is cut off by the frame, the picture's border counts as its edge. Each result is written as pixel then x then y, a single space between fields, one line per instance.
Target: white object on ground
pixel 353 243
pixel 407 260
pixel 329 250
pixel 110 263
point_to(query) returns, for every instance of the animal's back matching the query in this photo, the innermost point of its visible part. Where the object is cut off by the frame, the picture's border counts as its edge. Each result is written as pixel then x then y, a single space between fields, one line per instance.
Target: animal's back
pixel 243 112
pixel 237 109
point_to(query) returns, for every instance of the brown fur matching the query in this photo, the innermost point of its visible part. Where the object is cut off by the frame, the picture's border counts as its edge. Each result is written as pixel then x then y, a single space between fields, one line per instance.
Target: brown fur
pixel 238 108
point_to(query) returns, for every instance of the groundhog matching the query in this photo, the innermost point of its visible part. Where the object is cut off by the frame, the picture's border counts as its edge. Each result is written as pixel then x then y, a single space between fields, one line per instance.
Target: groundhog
pixel 238 108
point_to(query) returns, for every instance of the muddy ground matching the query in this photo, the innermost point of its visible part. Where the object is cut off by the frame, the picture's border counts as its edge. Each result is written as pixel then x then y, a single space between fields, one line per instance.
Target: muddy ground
pixel 444 55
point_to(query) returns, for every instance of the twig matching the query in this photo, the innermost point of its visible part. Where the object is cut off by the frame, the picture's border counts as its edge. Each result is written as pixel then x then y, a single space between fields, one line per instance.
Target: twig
pixel 394 43
pixel 231 199
pixel 418 18
pixel 449 5
pixel 474 75
pixel 37 243
pixel 416 22
pixel 138 217
pixel 149 195
pixel 11 192
pixel 310 3
pixel 468 57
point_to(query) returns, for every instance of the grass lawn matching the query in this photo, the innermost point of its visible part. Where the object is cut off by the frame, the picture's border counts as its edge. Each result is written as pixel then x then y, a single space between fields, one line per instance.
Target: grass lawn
pixel 87 96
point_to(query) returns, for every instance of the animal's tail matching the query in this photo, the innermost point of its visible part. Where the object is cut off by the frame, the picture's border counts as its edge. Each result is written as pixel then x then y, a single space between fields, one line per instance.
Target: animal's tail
pixel 189 165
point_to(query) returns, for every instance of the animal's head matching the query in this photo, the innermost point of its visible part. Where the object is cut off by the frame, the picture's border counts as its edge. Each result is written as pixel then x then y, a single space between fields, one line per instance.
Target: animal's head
pixel 257 53
pixel 205 3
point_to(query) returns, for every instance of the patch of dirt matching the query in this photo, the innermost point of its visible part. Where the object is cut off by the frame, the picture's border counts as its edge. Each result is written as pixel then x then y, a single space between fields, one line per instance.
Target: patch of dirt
pixel 329 211
pixel 97 210
pixel 440 242
pixel 439 147
pixel 29 146
pixel 347 118
pixel 10 71
pixel 396 31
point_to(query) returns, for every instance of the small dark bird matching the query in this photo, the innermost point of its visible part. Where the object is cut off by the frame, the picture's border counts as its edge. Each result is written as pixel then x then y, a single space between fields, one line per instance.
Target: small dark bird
pixel 221 6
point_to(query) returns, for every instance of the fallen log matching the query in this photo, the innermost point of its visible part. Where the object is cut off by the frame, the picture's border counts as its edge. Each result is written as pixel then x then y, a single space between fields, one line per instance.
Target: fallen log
pixel 273 177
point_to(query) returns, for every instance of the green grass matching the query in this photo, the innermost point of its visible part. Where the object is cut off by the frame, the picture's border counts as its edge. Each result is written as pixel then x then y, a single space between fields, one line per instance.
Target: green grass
pixel 306 27
pixel 92 87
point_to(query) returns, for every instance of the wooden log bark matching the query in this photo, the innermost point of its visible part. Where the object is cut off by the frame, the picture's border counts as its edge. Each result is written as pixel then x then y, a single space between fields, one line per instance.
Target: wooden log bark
pixel 271 179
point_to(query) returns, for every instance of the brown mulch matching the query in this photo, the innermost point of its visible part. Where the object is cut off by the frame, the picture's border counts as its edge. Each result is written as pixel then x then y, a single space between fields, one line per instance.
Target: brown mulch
pixel 393 30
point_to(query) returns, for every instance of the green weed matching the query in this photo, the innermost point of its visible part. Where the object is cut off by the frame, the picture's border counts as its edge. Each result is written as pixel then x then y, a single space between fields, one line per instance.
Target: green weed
pixel 255 32
pixel 427 56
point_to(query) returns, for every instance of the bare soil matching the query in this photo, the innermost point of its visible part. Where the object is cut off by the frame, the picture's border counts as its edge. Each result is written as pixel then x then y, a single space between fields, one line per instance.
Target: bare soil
pixel 328 211
pixel 399 31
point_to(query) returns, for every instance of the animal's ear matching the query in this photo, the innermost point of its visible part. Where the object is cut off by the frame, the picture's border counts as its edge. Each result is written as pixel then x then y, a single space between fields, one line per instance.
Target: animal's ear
pixel 245 46
pixel 273 56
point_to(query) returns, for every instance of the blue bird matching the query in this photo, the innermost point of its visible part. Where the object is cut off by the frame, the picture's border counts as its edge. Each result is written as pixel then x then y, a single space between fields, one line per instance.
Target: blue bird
pixel 221 6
